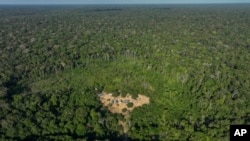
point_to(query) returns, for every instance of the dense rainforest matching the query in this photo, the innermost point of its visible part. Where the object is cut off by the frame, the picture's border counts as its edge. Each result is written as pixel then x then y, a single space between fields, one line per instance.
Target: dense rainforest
pixel 192 61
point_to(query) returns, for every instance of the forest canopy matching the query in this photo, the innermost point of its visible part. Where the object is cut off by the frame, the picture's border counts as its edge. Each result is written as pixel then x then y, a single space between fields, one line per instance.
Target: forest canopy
pixel 192 62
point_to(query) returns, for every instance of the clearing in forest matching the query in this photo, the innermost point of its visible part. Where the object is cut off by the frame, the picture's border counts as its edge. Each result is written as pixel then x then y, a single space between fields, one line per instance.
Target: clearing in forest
pixel 123 105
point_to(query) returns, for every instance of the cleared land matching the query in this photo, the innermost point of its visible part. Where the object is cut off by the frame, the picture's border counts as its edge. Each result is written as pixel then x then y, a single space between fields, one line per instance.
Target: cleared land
pixel 121 104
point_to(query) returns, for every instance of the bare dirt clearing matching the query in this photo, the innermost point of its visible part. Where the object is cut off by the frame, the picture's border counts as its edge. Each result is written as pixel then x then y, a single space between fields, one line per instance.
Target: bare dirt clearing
pixel 122 105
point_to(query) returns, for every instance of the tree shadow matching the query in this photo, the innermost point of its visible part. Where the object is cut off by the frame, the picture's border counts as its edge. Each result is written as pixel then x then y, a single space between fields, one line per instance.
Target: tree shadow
pixel 13 87
pixel 88 137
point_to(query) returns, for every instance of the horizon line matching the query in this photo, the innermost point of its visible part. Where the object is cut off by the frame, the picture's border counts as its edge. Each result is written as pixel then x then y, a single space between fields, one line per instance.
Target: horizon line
pixel 117 3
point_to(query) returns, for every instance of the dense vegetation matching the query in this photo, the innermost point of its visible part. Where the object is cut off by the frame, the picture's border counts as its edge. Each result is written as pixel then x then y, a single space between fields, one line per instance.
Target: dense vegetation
pixel 192 61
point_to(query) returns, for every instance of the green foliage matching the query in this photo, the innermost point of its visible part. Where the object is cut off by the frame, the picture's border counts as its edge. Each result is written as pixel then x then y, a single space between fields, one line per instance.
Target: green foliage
pixel 55 60
pixel 130 104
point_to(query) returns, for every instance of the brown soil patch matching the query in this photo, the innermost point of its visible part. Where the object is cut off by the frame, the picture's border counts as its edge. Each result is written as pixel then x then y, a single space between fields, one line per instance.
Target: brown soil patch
pixel 116 104
pixel 119 105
